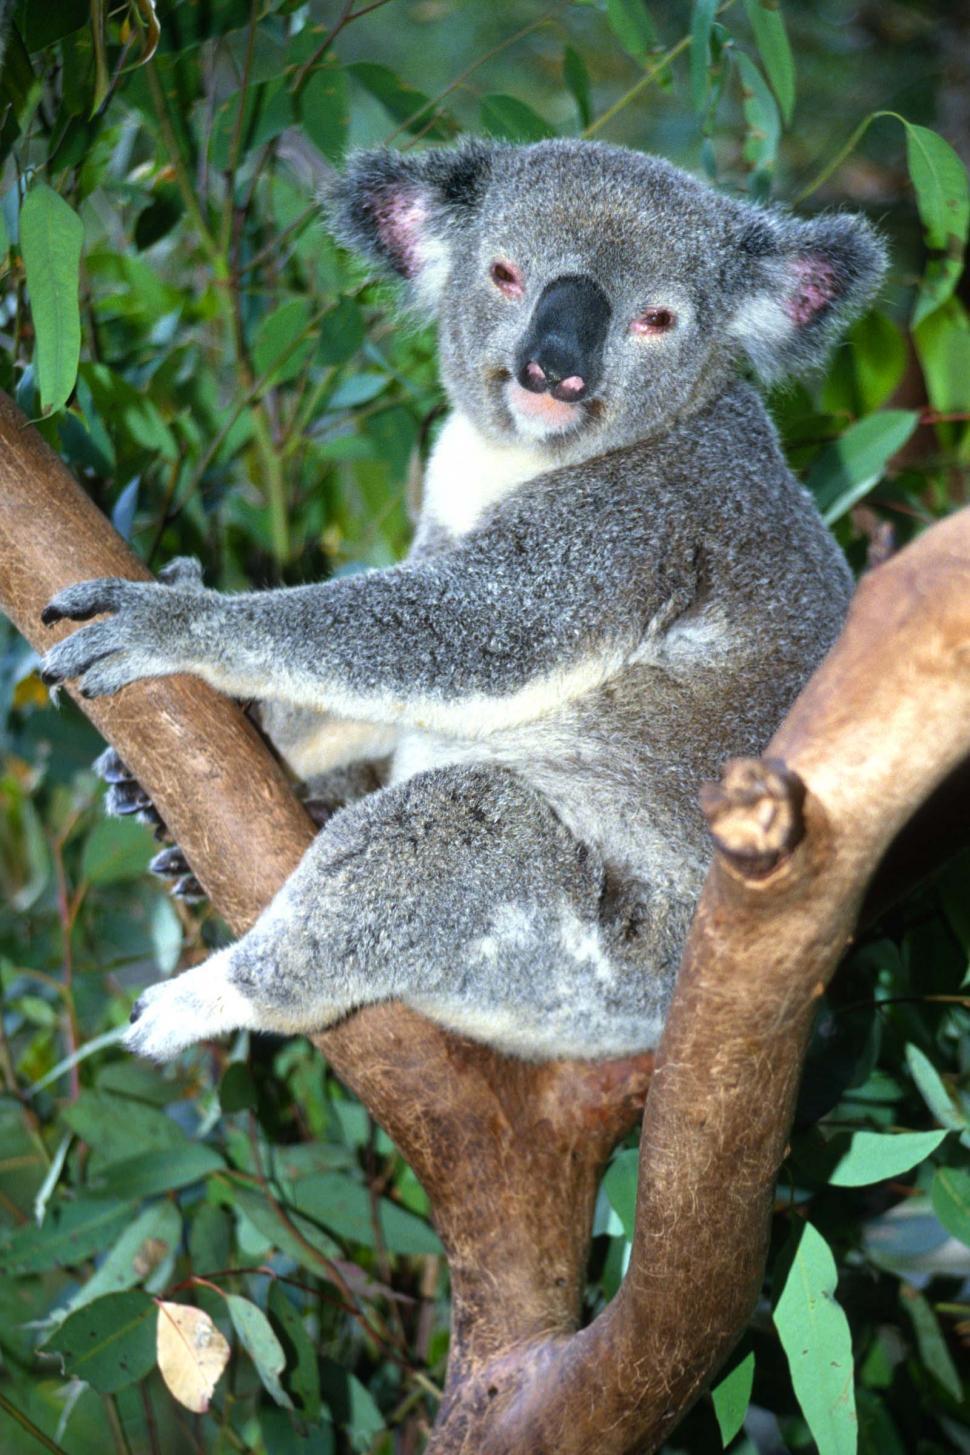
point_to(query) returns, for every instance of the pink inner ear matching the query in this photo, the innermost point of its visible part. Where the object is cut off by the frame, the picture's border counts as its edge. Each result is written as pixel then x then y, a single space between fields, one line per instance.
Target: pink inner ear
pixel 400 220
pixel 814 287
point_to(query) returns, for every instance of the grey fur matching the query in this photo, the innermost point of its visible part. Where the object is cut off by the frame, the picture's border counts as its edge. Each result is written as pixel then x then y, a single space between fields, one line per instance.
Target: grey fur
pixel 562 670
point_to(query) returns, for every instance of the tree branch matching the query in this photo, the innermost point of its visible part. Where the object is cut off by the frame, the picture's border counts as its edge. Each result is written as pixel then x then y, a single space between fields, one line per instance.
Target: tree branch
pixel 511 1153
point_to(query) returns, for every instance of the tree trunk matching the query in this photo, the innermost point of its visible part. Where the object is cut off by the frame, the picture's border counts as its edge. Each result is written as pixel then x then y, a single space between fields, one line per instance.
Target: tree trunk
pixel 511 1153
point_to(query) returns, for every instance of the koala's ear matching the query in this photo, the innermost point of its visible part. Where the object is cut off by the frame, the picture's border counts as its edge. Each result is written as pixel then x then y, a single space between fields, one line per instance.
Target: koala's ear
pixel 800 285
pixel 404 210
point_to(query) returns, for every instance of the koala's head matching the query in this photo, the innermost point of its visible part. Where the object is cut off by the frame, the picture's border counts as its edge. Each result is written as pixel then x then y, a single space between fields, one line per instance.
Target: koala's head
pixel 586 295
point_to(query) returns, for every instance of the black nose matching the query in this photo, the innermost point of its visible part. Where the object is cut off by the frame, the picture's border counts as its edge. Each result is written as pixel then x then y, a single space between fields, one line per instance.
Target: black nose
pixel 562 352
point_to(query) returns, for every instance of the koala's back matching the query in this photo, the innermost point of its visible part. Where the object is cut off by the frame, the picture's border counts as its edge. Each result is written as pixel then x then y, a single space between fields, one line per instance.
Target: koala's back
pixel 755 592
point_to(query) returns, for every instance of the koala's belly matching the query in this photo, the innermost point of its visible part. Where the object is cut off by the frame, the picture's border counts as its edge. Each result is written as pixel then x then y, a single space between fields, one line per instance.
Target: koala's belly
pixel 418 752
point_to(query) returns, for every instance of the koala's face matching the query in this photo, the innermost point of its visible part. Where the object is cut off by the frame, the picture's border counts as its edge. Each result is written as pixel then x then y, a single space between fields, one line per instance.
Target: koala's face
pixel 586 295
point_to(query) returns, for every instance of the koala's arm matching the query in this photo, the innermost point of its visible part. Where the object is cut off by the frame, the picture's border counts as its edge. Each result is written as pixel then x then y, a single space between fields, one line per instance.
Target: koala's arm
pixel 542 605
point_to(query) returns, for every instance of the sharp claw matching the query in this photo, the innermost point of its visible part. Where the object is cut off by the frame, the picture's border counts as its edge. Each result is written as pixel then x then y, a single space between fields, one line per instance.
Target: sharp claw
pixel 170 863
pixel 136 1011
pixel 110 769
pixel 189 889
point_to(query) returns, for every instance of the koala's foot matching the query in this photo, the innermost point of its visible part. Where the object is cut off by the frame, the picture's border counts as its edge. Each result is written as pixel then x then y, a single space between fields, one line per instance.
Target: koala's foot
pixel 203 1001
pixel 126 796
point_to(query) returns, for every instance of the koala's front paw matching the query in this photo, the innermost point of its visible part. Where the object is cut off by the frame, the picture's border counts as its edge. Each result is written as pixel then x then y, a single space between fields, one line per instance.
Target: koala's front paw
pixel 197 1004
pixel 147 635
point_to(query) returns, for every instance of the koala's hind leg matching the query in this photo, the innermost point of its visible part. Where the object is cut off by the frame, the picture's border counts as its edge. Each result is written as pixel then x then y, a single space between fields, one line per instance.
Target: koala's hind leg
pixel 459 892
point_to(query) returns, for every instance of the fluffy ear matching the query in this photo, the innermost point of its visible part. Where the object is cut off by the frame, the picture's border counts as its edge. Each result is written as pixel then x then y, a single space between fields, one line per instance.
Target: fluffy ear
pixel 801 284
pixel 405 209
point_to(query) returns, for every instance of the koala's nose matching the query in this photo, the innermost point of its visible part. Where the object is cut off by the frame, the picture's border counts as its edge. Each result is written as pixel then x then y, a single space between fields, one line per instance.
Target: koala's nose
pixel 562 352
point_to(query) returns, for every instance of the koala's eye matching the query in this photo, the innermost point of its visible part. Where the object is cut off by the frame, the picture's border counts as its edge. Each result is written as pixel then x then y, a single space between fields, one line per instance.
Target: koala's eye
pixel 507 279
pixel 654 321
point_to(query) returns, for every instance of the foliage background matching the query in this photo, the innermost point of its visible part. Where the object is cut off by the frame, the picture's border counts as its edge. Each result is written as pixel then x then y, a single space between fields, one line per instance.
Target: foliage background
pixel 245 394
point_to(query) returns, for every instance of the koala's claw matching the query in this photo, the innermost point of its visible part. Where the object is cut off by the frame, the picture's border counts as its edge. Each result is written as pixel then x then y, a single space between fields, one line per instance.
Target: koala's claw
pixel 170 863
pixel 85 599
pixel 144 634
pixel 110 768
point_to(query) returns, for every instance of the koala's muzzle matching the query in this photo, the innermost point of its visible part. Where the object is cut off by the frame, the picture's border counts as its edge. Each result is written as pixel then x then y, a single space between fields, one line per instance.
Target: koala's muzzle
pixel 562 353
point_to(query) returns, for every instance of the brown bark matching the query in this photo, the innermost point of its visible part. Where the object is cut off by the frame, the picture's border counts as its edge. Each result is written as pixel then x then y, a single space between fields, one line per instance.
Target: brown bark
pixel 511 1153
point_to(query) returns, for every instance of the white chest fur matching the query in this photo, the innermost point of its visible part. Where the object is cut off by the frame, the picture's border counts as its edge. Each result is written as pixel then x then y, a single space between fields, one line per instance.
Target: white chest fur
pixel 467 472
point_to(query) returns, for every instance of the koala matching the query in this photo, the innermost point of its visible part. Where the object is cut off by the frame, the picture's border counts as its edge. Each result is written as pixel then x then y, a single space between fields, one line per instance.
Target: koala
pixel 615 584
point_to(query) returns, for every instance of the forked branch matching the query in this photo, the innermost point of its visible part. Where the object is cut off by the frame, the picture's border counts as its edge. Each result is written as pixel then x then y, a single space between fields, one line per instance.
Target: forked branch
pixel 511 1153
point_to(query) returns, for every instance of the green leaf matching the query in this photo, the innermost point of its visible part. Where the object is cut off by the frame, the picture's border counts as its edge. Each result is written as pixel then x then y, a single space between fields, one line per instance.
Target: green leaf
pixel 775 51
pixel 930 1341
pixel 512 120
pixel 874 1156
pixel 303 1377
pixel 267 110
pixel 344 1206
pixel 814 1333
pixel 237 1089
pixel 943 200
pixel 297 1237
pixel 110 1343
pixel 71 1232
pixel 942 1102
pixel 115 1126
pixel 282 344
pixel 950 1196
pixel 700 52
pixel 845 471
pixel 130 411
pixel 116 849
pixel 323 109
pixel 731 1398
pixel 45 24
pixel 877 1433
pixel 51 238
pixel 760 115
pixel 149 1173
pixel 261 1344
pixel 341 333
pixel 942 344
pixel 867 369
pixel 576 77
pixel 411 109
pixel 351 1403
pixel 631 24
pixel 134 1256
pixel 620 1186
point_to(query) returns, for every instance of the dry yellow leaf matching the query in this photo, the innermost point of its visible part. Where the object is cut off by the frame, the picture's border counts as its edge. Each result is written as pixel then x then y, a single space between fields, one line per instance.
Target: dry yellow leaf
pixel 191 1354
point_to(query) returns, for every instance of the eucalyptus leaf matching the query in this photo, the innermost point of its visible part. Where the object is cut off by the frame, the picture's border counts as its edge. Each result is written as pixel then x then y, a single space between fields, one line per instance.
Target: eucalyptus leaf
pixel 109 1343
pixel 843 472
pixel 774 49
pixel 874 1157
pixel 939 178
pixel 51 238
pixel 950 1196
pixel 303 1377
pixel 512 120
pixel 731 1397
pixel 71 1232
pixel 261 1344
pixel 814 1333
pixel 932 1345
pixel 942 1102
pixel 631 24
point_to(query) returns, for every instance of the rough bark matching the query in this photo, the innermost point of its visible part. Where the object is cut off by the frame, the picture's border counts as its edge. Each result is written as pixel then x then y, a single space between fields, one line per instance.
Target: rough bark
pixel 511 1153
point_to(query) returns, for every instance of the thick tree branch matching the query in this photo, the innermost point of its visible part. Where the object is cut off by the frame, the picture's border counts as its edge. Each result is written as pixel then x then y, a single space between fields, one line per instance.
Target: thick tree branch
pixel 511 1153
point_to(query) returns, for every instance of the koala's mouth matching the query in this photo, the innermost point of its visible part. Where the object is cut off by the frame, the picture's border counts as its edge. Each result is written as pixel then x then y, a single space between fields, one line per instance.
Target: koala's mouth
pixel 540 416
